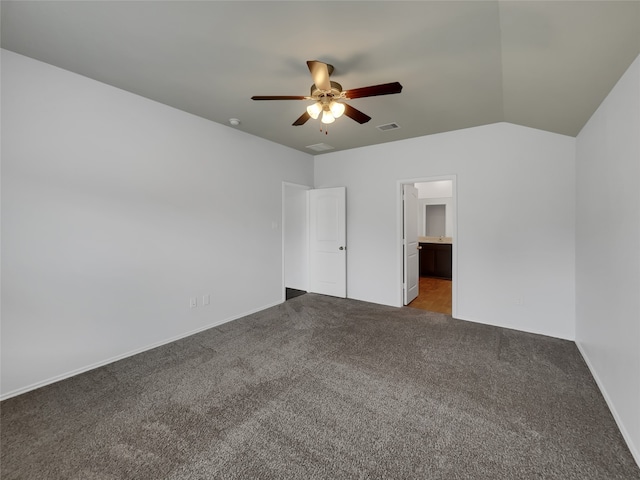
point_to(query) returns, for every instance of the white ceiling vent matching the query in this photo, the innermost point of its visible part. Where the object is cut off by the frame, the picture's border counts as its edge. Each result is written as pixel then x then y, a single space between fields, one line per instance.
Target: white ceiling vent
pixel 320 147
pixel 388 126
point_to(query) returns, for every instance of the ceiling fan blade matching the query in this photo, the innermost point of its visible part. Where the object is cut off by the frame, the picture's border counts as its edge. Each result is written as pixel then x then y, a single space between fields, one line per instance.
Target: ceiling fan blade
pixel 320 74
pixel 280 97
pixel 356 114
pixel 374 90
pixel 302 120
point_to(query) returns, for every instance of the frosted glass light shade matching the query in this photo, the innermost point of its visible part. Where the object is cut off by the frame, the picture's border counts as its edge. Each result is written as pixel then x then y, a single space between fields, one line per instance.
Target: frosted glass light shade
pixel 314 110
pixel 327 117
pixel 337 109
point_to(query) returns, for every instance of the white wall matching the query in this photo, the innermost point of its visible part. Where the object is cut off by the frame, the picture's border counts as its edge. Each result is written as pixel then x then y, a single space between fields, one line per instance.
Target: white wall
pixel 515 221
pixel 115 211
pixel 608 251
pixel 296 243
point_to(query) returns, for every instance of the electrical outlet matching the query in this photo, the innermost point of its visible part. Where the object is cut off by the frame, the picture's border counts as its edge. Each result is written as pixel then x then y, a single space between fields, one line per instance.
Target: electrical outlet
pixel 193 302
pixel 206 299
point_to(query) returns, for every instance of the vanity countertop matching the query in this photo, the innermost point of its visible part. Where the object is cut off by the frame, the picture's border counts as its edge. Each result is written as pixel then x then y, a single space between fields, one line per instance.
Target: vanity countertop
pixel 448 240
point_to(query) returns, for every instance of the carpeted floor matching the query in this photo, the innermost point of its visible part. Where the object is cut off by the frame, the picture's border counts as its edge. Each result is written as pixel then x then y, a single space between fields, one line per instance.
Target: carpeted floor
pixel 325 388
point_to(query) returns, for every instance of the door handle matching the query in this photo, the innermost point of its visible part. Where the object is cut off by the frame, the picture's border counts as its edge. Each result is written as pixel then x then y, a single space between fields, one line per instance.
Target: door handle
pixel 342 248
pixel 419 247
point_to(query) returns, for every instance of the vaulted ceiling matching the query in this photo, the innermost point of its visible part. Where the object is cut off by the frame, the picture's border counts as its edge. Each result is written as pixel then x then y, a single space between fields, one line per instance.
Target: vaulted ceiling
pixel 546 65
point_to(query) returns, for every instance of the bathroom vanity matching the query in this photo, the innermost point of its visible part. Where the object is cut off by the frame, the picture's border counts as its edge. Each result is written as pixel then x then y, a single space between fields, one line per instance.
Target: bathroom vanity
pixel 435 257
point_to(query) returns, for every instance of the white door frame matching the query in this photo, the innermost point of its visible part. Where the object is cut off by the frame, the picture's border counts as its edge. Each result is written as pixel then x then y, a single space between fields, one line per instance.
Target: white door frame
pixel 411 250
pixel 400 234
pixel 286 185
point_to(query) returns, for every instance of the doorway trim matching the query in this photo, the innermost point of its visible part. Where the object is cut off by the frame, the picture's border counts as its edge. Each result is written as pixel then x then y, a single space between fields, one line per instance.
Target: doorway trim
pixel 399 237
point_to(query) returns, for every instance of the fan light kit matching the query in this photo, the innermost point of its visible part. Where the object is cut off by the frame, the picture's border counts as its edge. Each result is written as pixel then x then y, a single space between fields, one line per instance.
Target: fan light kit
pixel 329 108
pixel 326 94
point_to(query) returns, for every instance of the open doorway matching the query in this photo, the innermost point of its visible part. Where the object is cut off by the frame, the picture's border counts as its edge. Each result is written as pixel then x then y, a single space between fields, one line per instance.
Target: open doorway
pixel 295 256
pixel 435 223
pixel 313 241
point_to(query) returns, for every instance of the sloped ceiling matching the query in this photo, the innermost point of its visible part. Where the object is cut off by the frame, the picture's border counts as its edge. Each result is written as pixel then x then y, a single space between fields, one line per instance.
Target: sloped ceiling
pixel 546 65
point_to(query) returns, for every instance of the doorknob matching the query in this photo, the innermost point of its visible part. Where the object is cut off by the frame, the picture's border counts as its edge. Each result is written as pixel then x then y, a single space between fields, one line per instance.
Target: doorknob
pixel 342 248
pixel 419 247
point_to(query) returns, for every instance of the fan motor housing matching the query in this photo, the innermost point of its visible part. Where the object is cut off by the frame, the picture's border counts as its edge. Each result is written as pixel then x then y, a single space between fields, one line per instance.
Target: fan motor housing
pixel 336 90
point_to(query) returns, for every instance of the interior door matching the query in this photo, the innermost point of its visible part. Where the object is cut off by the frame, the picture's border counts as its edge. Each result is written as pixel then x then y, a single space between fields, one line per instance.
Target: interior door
pixel 327 241
pixel 411 245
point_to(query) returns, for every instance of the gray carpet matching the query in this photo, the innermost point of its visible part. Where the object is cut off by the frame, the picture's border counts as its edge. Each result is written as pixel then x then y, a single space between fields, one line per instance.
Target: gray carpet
pixel 325 388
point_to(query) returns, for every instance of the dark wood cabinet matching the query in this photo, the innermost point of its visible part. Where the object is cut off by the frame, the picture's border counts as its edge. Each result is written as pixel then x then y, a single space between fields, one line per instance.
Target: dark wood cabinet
pixel 435 260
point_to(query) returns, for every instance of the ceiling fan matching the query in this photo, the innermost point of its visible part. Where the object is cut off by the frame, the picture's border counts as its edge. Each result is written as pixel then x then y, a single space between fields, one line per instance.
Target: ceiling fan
pixel 328 96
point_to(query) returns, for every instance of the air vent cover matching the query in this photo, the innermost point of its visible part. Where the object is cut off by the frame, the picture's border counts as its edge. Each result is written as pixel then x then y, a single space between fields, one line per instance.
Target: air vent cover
pixel 388 126
pixel 320 147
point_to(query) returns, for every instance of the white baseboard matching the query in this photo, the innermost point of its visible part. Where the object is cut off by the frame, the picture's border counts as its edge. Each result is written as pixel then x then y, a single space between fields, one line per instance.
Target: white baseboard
pixel 627 438
pixel 57 378
pixel 570 338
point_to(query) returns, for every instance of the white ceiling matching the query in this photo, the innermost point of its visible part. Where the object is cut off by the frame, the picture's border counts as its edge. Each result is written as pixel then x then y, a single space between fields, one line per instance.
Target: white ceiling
pixel 545 65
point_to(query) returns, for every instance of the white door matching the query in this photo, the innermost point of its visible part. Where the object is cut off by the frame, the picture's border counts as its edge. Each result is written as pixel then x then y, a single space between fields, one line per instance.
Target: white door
pixel 411 246
pixel 327 241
